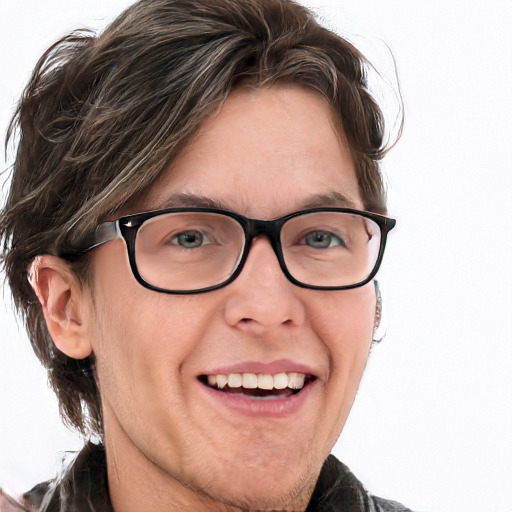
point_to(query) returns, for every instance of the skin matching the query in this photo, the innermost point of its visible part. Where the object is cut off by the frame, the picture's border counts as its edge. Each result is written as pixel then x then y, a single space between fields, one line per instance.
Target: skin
pixel 169 446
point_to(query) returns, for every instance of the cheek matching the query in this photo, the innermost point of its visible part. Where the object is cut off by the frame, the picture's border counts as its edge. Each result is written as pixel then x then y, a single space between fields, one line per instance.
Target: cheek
pixel 126 318
pixel 344 321
pixel 141 336
pixel 346 329
pixel 144 332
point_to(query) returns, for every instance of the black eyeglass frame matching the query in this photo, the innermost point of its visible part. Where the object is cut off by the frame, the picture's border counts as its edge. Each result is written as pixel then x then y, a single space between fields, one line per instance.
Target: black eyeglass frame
pixel 127 227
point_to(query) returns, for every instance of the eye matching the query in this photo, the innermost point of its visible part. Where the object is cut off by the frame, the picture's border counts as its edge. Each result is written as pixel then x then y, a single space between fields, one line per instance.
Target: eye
pixel 323 240
pixel 190 239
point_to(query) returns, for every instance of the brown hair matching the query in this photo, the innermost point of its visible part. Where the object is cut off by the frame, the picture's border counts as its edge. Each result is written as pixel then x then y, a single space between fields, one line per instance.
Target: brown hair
pixel 102 116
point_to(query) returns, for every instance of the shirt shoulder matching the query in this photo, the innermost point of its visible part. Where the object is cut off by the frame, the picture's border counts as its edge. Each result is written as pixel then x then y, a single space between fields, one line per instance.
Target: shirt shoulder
pixel 338 490
pixel 383 505
pixel 82 487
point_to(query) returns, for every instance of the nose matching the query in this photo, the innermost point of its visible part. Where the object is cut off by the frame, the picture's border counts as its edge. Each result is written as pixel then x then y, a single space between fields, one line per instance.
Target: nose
pixel 261 298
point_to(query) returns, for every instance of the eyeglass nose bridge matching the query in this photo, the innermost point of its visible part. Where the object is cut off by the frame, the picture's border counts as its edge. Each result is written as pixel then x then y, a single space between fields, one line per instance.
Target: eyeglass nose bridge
pixel 271 229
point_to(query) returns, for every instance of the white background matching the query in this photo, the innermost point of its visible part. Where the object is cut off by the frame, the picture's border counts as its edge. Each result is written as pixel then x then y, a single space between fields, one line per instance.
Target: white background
pixel 432 425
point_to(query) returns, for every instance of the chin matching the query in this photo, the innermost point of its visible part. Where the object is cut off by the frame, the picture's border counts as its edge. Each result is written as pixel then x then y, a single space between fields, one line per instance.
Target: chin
pixel 266 487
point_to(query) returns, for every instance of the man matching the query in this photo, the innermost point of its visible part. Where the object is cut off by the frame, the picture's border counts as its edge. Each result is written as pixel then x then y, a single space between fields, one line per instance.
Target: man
pixel 194 223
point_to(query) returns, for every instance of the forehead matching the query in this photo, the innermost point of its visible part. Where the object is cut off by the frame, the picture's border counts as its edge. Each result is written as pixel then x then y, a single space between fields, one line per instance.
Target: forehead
pixel 265 153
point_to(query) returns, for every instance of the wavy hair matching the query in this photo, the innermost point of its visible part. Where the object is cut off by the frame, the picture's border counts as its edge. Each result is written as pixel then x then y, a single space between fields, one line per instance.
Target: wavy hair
pixel 102 116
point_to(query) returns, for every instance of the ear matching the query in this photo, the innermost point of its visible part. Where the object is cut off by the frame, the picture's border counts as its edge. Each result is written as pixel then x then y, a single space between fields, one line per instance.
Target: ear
pixel 379 328
pixel 66 306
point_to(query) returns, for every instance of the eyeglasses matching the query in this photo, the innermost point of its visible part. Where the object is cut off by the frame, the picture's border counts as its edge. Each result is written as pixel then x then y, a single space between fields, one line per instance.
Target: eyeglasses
pixel 193 250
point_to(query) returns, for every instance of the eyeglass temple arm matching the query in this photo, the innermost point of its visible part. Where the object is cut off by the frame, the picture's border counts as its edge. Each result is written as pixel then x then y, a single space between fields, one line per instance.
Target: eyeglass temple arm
pixel 105 232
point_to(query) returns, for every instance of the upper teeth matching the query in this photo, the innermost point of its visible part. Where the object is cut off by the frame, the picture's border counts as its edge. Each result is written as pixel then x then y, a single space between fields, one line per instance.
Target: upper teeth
pixel 262 381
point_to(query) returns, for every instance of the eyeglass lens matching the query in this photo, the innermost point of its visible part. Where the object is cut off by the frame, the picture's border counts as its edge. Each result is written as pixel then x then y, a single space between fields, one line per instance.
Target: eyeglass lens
pixel 194 250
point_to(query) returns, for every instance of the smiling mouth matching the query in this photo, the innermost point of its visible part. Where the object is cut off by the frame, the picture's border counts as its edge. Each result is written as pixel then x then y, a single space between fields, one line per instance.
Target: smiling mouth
pixel 262 386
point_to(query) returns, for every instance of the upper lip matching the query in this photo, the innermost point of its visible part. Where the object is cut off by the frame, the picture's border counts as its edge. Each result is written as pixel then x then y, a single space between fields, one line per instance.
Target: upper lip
pixel 259 367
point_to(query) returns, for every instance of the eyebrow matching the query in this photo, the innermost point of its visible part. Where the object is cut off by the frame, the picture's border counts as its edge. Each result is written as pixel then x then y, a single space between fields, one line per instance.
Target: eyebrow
pixel 183 200
pixel 334 198
pixel 191 201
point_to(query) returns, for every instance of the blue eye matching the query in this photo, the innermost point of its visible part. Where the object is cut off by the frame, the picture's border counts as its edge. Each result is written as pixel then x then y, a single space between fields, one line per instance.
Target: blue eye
pixel 190 239
pixel 323 240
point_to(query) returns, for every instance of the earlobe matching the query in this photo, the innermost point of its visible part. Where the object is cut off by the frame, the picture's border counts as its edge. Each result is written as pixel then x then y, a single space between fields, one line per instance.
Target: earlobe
pixel 64 305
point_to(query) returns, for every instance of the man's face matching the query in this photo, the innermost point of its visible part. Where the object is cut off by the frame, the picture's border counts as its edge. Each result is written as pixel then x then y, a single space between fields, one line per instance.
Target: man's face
pixel 266 153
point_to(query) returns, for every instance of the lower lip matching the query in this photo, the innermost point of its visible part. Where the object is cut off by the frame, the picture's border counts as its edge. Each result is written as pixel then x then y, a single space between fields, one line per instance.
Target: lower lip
pixel 262 408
